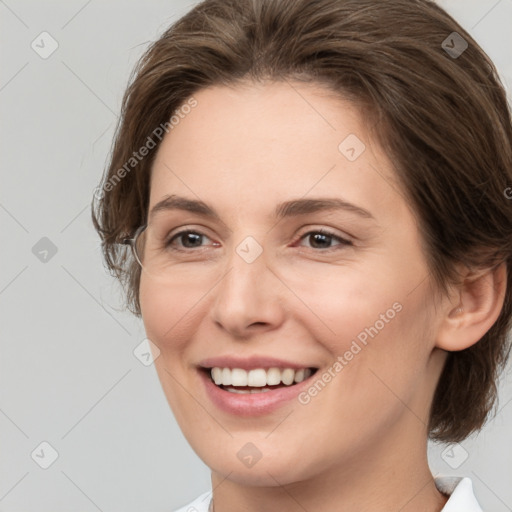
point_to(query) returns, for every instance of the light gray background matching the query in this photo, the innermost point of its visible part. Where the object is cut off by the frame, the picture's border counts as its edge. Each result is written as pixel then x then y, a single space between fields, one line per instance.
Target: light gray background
pixel 67 369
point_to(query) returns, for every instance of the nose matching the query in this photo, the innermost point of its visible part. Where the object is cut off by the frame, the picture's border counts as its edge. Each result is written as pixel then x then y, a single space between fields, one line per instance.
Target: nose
pixel 249 299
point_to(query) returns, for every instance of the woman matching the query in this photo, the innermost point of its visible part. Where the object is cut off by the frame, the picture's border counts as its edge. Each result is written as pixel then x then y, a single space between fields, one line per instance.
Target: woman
pixel 315 196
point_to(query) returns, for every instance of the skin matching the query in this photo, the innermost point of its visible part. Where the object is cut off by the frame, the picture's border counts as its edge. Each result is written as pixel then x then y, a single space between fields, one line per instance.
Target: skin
pixel 360 444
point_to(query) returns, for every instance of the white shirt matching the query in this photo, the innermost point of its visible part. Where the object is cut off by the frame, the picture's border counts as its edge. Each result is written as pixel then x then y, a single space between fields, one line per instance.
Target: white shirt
pixel 460 490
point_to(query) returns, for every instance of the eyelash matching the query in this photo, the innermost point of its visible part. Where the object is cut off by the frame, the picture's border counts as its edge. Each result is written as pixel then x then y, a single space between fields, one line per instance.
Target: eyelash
pixel 342 241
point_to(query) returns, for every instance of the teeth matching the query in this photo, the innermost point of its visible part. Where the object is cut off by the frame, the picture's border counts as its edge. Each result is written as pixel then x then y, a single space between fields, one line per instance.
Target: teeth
pixel 226 376
pixel 287 376
pixel 247 391
pixel 238 376
pixel 257 378
pixel 299 375
pixel 273 376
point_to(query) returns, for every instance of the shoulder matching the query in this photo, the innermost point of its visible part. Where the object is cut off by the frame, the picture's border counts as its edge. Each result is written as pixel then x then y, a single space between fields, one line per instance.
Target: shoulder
pixel 460 492
pixel 200 504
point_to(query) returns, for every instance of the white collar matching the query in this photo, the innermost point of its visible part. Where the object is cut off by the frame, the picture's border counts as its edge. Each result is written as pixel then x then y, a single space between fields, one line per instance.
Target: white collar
pixel 461 494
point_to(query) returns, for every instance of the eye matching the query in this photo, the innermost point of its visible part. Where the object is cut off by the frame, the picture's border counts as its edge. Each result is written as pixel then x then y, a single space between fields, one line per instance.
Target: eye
pixel 322 239
pixel 188 240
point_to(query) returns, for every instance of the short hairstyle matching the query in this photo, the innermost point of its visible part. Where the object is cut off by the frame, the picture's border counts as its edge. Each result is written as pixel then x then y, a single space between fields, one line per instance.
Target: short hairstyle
pixel 437 108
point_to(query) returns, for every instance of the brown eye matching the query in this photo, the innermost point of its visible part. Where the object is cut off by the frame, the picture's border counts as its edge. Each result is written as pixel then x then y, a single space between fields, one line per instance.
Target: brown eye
pixel 324 240
pixel 188 239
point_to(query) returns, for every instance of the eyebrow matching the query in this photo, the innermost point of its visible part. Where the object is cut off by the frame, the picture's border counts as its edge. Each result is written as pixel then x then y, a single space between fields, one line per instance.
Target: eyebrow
pixel 291 208
pixel 305 206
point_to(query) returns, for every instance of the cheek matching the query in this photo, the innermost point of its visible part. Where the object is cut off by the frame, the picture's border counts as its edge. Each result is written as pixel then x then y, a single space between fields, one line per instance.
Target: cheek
pixel 342 304
pixel 384 359
pixel 371 324
pixel 170 320
pixel 169 313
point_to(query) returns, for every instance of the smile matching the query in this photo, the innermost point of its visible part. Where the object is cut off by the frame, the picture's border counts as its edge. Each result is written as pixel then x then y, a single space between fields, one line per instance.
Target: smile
pixel 257 380
pixel 259 388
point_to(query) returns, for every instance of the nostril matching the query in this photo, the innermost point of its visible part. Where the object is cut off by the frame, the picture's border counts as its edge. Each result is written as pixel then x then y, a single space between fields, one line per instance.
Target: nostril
pixel 257 324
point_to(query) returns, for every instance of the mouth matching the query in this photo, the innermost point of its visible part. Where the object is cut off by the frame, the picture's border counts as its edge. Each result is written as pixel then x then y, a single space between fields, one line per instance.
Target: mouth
pixel 254 385
pixel 256 380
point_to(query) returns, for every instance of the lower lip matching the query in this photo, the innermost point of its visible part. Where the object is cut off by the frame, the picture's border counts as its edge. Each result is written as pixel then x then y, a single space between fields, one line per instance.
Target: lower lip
pixel 251 404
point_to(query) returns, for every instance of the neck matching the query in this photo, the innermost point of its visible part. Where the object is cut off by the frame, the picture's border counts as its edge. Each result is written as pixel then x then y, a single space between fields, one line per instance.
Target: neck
pixel 386 478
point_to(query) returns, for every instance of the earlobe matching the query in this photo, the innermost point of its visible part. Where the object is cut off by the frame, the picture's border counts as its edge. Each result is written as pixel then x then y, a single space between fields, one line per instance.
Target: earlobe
pixel 479 303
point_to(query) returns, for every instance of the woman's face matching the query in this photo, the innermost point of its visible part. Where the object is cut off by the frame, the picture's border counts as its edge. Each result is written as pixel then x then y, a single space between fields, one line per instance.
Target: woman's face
pixel 306 256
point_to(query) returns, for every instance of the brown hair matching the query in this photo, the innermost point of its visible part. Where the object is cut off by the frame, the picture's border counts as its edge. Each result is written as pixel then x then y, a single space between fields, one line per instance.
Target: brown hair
pixel 442 117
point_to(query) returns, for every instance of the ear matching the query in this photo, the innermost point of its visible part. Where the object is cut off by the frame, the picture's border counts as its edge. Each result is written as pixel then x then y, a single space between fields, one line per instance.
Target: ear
pixel 475 306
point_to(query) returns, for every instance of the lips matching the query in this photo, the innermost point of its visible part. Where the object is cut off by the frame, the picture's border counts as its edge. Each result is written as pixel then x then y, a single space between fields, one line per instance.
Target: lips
pixel 253 386
pixel 253 362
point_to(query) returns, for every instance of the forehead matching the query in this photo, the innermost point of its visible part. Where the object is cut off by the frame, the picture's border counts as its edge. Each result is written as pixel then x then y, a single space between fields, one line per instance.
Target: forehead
pixel 258 144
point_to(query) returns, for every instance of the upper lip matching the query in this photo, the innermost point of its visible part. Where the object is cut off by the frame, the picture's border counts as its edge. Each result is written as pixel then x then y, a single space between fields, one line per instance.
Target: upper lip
pixel 250 363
